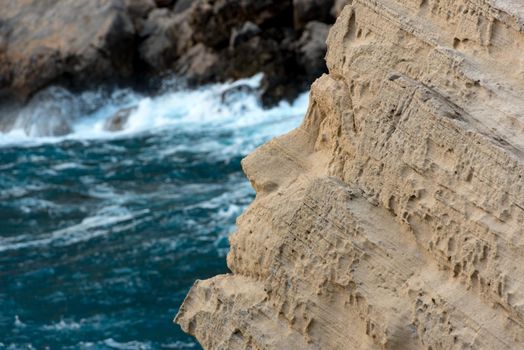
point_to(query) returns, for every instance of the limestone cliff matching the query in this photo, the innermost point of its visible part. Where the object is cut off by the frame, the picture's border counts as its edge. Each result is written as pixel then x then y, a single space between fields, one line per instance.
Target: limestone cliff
pixel 393 218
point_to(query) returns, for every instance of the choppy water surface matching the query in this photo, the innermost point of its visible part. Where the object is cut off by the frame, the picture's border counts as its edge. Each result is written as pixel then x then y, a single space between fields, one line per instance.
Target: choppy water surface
pixel 102 234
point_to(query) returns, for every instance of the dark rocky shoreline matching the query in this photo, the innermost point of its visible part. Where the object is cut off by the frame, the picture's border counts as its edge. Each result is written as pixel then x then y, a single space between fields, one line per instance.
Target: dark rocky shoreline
pixel 79 44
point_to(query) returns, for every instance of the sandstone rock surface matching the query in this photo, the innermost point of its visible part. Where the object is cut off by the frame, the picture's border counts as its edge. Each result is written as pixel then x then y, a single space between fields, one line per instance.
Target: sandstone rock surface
pixel 393 217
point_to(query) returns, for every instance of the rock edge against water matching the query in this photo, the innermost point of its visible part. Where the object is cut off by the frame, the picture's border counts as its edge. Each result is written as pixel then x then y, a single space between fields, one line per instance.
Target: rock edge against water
pixel 81 44
pixel 393 217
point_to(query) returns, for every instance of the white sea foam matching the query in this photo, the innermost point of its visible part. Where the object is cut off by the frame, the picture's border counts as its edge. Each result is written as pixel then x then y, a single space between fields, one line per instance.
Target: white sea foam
pixel 91 227
pixel 19 323
pixel 111 343
pixel 63 325
pixel 132 345
pixel 179 345
pixel 228 106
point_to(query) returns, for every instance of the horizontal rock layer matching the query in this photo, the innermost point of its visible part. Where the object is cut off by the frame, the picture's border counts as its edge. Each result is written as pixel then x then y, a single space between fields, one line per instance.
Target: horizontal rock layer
pixel 393 217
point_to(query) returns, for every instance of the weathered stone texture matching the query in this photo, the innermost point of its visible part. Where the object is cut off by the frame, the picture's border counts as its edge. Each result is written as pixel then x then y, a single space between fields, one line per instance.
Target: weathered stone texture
pixel 393 217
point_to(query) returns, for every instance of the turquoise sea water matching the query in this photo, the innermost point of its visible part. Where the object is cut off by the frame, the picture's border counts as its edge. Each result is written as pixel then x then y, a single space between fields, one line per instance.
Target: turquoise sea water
pixel 102 234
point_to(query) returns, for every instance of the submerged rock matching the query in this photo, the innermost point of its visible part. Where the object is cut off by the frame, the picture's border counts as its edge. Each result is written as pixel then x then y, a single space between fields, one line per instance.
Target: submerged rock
pixel 235 93
pixel 118 121
pixel 51 112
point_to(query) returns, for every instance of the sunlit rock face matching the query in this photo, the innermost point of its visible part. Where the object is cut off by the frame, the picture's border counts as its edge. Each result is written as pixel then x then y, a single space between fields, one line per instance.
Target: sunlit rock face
pixel 393 217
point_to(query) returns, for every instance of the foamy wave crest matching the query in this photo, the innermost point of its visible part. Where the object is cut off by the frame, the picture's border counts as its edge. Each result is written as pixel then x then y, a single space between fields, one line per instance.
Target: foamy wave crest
pixel 91 227
pixel 56 114
pixel 117 213
pixel 63 325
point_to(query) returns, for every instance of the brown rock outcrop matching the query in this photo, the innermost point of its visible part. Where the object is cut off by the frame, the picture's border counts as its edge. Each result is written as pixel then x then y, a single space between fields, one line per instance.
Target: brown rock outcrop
pixel 48 40
pixel 393 217
pixel 83 43
pixel 217 40
pixel 305 11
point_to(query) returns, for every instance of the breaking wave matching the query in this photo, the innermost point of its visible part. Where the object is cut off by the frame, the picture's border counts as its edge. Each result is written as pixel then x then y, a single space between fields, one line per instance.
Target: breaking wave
pixel 112 203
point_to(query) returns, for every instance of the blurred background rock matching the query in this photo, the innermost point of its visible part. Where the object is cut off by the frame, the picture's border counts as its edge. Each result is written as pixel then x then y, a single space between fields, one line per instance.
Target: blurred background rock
pixel 79 44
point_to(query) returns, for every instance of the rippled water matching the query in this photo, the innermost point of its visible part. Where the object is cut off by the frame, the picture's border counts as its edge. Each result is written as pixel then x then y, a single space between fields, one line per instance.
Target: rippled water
pixel 102 234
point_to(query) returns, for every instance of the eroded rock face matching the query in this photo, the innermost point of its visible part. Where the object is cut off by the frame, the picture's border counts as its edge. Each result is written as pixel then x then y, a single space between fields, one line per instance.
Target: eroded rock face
pixel 393 217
